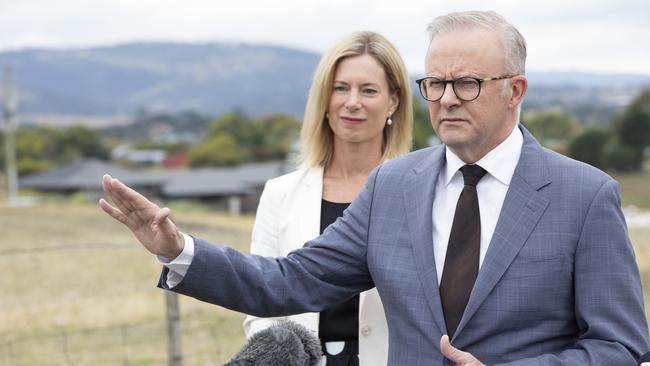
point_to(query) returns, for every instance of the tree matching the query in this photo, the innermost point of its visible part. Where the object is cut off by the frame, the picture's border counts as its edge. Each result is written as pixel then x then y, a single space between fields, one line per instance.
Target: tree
pixel 553 129
pixel 33 143
pixel 633 129
pixel 422 130
pixel 73 143
pixel 2 150
pixel 233 124
pixel 642 102
pixel 233 139
pixel 589 147
pixel 42 148
pixel 215 151
pixel 271 137
pixel 34 150
pixel 84 141
pixel 30 165
pixel 621 158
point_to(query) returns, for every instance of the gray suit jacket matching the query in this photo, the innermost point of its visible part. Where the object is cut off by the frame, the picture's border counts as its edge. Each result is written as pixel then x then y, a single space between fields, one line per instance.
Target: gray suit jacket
pixel 559 284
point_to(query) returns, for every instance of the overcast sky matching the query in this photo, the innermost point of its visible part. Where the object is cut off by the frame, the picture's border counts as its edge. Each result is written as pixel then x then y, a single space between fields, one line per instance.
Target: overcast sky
pixel 584 35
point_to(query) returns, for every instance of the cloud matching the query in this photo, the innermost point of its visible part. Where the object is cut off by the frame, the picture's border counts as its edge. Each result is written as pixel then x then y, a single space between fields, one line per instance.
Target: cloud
pixel 606 35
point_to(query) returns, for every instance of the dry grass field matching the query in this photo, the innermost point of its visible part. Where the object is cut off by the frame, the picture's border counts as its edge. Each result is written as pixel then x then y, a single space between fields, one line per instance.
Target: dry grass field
pixel 76 289
pixel 635 188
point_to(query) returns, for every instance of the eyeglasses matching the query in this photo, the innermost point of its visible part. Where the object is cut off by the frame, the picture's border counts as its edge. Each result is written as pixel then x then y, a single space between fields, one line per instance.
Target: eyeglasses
pixel 466 88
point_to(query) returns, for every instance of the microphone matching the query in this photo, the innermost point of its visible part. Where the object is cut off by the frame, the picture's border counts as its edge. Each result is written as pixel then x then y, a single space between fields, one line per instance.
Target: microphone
pixel 644 360
pixel 286 343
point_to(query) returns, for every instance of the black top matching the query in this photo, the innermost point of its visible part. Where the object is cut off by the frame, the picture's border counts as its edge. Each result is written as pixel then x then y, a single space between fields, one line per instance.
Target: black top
pixel 341 322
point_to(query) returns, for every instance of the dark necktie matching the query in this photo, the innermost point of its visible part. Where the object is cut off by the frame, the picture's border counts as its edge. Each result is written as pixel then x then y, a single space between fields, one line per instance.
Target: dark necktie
pixel 461 261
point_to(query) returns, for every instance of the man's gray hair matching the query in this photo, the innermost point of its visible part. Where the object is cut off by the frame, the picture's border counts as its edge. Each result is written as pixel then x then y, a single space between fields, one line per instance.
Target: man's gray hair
pixel 514 44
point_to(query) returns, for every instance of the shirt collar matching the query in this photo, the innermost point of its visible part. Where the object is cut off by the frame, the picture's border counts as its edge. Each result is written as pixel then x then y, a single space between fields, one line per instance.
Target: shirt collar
pixel 499 162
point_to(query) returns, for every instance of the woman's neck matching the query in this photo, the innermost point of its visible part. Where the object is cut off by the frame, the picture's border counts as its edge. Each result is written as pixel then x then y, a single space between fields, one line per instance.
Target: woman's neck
pixel 350 160
pixel 348 171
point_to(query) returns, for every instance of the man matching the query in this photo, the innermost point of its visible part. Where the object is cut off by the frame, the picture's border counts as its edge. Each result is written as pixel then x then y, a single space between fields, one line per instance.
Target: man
pixel 518 253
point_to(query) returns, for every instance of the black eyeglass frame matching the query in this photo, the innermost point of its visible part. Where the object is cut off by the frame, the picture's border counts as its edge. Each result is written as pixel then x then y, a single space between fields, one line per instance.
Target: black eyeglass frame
pixel 453 85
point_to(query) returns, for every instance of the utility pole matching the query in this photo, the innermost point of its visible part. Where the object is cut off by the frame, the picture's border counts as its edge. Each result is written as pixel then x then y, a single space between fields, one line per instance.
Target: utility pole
pixel 10 105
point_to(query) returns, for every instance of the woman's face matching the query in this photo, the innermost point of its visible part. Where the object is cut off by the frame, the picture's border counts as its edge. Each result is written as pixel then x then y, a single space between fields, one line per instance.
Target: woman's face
pixel 360 101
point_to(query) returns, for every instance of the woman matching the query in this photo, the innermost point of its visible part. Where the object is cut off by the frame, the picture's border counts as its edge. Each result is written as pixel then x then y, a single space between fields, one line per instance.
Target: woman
pixel 358 115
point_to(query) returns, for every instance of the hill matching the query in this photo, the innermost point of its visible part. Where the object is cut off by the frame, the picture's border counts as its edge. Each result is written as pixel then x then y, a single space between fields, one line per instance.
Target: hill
pixel 93 85
pixel 122 79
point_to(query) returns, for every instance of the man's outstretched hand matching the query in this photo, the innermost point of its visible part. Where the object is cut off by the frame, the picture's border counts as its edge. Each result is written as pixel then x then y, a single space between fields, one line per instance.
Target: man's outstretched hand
pixel 455 355
pixel 149 223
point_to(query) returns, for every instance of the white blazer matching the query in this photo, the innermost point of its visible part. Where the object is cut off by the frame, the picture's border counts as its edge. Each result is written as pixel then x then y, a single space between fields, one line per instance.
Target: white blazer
pixel 288 216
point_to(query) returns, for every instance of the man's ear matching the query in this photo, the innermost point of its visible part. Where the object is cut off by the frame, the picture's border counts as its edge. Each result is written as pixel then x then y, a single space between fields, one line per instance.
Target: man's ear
pixel 518 87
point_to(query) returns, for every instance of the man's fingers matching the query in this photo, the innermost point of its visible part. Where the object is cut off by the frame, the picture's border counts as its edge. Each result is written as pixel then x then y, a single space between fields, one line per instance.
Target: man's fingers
pixel 161 216
pixel 450 352
pixel 128 200
pixel 112 211
pixel 446 348
pixel 134 200
pixel 109 184
pixel 123 196
pixel 164 223
pixel 455 355
pixel 125 210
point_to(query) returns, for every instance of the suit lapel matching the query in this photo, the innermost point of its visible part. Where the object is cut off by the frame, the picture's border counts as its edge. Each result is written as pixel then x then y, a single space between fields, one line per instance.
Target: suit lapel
pixel 418 199
pixel 309 201
pixel 522 208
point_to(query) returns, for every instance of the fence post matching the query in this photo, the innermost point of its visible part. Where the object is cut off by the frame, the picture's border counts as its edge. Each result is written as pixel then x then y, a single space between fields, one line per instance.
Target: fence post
pixel 10 354
pixel 125 344
pixel 64 346
pixel 174 351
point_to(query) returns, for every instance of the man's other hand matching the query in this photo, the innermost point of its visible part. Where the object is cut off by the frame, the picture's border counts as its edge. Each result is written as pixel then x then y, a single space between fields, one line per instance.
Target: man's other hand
pixel 455 355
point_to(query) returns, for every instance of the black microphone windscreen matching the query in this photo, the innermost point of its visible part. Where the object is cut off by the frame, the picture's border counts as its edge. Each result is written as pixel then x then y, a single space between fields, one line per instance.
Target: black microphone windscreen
pixel 285 343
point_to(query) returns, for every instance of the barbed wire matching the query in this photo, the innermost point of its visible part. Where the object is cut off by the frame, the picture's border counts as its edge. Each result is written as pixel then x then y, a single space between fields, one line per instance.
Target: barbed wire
pixel 64 247
pixel 10 354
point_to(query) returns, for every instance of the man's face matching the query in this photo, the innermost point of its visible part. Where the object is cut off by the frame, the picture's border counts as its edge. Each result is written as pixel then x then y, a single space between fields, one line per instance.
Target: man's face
pixel 471 129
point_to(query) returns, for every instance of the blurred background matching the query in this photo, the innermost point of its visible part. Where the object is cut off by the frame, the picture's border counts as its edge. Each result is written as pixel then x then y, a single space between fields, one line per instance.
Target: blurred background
pixel 197 104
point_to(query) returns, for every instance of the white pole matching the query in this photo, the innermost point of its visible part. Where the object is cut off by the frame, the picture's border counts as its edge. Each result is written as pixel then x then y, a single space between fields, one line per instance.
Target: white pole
pixel 10 104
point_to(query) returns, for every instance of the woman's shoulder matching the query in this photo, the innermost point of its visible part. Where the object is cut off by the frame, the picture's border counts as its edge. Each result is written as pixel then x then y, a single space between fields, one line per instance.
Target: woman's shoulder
pixel 289 181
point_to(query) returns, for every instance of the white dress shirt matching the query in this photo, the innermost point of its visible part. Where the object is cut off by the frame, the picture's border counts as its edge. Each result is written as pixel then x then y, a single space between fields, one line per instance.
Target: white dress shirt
pixel 500 164
pixel 178 267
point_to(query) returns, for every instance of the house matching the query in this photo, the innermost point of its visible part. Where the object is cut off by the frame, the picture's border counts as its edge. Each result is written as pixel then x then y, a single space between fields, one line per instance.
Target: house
pixel 85 176
pixel 235 189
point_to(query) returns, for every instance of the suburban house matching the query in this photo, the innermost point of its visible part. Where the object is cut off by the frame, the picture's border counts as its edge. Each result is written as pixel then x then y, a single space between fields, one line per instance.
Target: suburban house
pixel 235 189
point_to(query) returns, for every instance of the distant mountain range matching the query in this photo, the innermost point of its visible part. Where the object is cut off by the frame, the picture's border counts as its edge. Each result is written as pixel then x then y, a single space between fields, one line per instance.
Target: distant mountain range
pixel 213 78
pixel 208 78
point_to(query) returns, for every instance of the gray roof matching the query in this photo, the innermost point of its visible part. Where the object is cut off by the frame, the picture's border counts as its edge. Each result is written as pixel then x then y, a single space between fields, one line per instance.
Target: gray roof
pixel 86 174
pixel 237 180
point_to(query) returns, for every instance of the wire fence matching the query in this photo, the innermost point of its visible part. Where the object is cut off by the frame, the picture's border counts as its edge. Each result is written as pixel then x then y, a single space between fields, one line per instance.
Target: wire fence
pixel 66 247
pixel 125 344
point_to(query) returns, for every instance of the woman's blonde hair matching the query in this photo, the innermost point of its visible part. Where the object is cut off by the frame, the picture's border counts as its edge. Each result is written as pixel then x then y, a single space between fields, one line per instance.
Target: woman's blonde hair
pixel 317 138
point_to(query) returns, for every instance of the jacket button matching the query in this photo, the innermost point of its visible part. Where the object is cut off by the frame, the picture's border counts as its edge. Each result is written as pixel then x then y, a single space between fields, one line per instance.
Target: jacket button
pixel 366 330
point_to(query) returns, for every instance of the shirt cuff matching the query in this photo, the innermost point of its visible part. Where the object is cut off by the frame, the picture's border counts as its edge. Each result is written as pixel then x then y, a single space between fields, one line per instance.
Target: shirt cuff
pixel 178 267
